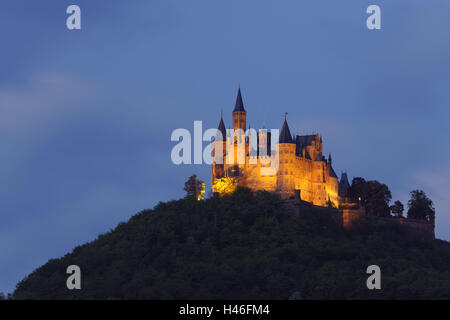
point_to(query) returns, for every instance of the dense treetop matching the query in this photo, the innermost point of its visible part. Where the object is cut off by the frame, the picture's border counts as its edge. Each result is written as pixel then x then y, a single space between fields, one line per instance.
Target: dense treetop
pixel 245 246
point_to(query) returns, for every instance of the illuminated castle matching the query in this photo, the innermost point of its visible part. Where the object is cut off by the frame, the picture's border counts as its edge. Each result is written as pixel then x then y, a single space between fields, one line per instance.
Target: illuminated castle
pixel 300 168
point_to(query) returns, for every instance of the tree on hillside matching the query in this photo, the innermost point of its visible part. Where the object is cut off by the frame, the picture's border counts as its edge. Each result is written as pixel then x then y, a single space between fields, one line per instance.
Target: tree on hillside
pixel 225 185
pixel 358 190
pixel 373 195
pixel 397 209
pixel 194 188
pixel 420 206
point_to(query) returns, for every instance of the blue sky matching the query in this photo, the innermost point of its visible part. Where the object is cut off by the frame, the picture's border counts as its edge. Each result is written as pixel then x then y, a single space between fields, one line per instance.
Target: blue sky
pixel 86 116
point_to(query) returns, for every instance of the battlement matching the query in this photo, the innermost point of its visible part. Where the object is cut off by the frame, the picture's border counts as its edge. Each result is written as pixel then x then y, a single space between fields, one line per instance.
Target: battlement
pixel 349 216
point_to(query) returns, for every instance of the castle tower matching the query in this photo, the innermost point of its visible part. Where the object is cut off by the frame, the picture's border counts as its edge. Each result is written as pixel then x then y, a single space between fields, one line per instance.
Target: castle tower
pixel 344 186
pixel 239 141
pixel 264 142
pixel 286 151
pixel 218 153
pixel 219 150
pixel 239 113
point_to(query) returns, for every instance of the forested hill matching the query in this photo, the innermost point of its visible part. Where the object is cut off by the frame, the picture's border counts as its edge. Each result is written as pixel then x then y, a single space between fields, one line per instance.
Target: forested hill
pixel 245 246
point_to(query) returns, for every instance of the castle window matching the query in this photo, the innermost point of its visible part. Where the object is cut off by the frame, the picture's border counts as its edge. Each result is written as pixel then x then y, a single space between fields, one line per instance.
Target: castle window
pixel 286 172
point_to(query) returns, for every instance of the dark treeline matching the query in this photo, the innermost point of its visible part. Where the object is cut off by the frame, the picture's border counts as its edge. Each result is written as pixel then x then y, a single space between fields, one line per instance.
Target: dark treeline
pixel 376 198
pixel 245 246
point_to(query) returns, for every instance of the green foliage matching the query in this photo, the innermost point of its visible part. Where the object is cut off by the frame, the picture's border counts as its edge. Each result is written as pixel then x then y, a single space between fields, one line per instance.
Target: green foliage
pixel 194 188
pixel 245 246
pixel 375 196
pixel 397 209
pixel 420 206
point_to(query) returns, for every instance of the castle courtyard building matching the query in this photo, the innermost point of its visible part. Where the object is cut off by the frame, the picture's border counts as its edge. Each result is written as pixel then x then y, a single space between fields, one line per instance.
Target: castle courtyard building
pixel 302 168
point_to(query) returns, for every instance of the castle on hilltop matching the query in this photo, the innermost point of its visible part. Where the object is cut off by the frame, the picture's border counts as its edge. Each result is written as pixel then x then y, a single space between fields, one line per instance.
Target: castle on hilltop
pixel 296 169
pixel 301 170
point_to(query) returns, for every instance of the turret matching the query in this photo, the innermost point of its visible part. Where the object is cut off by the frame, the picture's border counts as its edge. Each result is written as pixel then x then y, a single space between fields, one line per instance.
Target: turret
pixel 219 150
pixel 286 152
pixel 344 185
pixel 239 113
pixel 285 134
pixel 221 131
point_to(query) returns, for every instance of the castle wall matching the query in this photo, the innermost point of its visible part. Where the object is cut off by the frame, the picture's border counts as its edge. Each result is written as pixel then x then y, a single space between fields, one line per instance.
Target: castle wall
pixel 295 173
pixel 421 227
pixel 350 216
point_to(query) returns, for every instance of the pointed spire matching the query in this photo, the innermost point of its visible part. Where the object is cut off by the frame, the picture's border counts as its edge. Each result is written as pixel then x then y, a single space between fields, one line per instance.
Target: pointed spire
pixel 239 106
pixel 344 180
pixel 222 130
pixel 344 185
pixel 285 134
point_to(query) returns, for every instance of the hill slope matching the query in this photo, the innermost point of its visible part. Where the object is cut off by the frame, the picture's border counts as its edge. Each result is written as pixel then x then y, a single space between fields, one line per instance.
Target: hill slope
pixel 244 247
